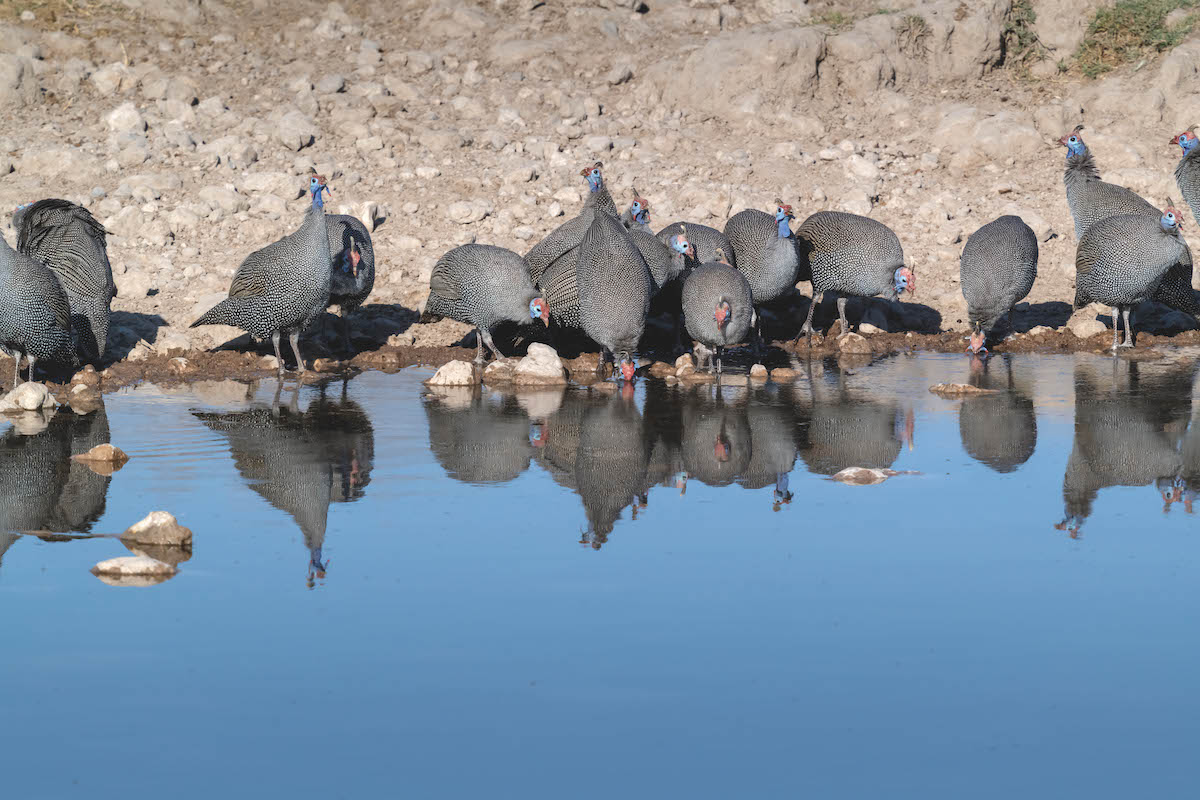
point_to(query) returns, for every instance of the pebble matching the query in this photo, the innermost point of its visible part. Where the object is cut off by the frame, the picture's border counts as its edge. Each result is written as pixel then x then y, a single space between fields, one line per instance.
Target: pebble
pixel 454 373
pixel 758 371
pixel 134 566
pixel 106 453
pixel 159 527
pixel 864 476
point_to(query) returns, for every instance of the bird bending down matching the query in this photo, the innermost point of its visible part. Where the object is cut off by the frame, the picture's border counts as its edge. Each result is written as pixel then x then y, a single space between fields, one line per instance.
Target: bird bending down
pixel 852 256
pixel 72 243
pixel 996 271
pixel 766 255
pixel 284 286
pixel 484 285
pixel 35 315
pixel 352 271
pixel 718 306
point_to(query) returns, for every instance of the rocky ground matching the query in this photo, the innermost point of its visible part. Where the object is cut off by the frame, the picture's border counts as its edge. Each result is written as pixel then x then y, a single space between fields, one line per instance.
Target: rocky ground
pixel 188 126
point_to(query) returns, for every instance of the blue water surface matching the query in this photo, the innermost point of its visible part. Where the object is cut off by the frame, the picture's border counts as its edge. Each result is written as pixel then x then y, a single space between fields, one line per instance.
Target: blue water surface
pixel 402 592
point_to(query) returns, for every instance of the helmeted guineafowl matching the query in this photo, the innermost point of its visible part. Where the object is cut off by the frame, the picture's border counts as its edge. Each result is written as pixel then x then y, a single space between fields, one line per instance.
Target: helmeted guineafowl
pixel 851 256
pixel 996 271
pixel 705 240
pixel 637 216
pixel 1092 200
pixel 614 291
pixel 1121 261
pixel 666 262
pixel 765 252
pixel 564 241
pixel 718 306
pixel 284 286
pixel 68 239
pixel 35 315
pixel 561 290
pixel 1187 171
pixel 484 285
pixel 352 271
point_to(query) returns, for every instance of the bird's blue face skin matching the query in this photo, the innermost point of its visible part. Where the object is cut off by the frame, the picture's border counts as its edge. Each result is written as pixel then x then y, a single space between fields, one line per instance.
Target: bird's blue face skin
pixel 1188 142
pixel 593 179
pixel 783 214
pixel 901 281
pixel 679 244
pixel 1075 145
pixel 316 189
pixel 1169 221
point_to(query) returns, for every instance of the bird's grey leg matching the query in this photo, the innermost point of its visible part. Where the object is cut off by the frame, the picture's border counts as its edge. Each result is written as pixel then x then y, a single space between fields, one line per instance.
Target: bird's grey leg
pixel 1128 330
pixel 16 368
pixel 812 307
pixel 275 399
pixel 345 329
pixel 487 339
pixel 841 305
pixel 1116 312
pixel 278 353
pixel 32 358
pixel 294 338
pixel 720 351
pixel 479 359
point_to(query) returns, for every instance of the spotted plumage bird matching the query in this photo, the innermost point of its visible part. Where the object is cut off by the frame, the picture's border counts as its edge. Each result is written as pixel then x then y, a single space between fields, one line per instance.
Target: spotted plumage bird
pixel 72 243
pixel 563 242
pixel 35 315
pixel 851 256
pixel 996 271
pixel 637 216
pixel 766 254
pixel 705 241
pixel 284 286
pixel 1122 260
pixel 352 271
pixel 484 285
pixel 1187 171
pixel 1092 200
pixel 718 306
pixel 614 291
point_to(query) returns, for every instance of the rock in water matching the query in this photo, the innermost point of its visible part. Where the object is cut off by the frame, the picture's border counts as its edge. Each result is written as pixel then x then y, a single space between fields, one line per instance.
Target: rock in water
pixel 159 528
pixel 27 397
pixel 455 373
pixel 107 454
pixel 133 571
pixel 958 388
pixel 541 367
pixel 862 476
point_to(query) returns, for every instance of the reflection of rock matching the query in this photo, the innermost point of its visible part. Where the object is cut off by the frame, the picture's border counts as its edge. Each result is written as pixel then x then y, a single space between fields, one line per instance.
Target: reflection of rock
pixel 298 461
pixel 133 571
pixel 998 429
pixel 1127 421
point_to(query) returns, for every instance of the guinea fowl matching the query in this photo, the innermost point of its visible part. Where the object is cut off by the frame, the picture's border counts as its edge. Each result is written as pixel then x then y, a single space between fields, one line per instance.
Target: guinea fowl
pixel 704 239
pixel 563 242
pixel 851 256
pixel 666 262
pixel 35 316
pixel 1187 171
pixel 614 291
pixel 284 286
pixel 996 271
pixel 637 216
pixel 1122 260
pixel 765 253
pixel 718 306
pixel 352 270
pixel 484 285
pixel 1092 200
pixel 68 239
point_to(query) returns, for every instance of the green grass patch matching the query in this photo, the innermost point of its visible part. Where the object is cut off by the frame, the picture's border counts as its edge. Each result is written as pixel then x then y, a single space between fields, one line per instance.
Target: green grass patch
pixel 1131 30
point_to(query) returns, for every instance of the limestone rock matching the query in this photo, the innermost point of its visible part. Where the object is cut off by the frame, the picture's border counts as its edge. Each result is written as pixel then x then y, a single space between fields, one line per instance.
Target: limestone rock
pixel 133 571
pixel 864 476
pixel 853 344
pixel 28 396
pixel 159 527
pixel 455 373
pixel 105 453
pixel 541 367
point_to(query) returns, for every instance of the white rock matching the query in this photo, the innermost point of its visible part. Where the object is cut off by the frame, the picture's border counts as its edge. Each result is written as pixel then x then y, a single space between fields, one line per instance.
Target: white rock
pixel 541 366
pixel 169 339
pixel 863 476
pixel 125 118
pixel 1085 324
pixel 427 172
pixel 455 373
pixel 862 168
pixel 295 131
pixel 133 565
pixel 158 527
pixel 28 396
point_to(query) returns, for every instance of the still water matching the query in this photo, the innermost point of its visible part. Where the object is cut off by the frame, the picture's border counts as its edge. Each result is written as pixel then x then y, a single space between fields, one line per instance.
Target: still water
pixel 580 594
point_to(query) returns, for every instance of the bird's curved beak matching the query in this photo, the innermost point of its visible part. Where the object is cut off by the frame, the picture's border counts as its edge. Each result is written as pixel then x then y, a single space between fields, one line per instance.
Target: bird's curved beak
pixel 1175 140
pixel 1062 140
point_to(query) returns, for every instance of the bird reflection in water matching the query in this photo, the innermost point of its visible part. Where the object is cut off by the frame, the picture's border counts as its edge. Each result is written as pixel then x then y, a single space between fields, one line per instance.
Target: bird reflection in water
pixel 998 429
pixel 300 462
pixel 1131 429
